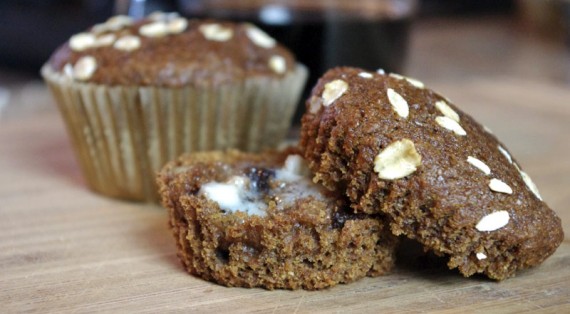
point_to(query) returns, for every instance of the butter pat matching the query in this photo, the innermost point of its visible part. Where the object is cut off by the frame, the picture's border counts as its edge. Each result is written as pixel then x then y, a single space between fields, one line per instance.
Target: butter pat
pixel 290 183
pixel 233 196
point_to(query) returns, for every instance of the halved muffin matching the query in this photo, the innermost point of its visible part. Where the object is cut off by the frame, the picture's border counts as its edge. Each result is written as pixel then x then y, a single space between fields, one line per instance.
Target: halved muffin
pixel 257 220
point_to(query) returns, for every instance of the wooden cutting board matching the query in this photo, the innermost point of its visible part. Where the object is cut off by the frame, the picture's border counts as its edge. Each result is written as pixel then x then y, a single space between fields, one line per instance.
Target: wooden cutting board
pixel 66 249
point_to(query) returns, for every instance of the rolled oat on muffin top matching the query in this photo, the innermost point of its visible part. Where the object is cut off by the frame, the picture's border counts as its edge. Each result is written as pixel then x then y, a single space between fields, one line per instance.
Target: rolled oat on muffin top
pixel 169 50
pixel 394 146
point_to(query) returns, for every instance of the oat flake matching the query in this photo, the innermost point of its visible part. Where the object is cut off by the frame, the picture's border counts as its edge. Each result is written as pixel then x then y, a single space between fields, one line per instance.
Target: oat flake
pixel 479 165
pixel 259 37
pixel 278 64
pixel 155 29
pixel 84 68
pixel 82 41
pixel 398 102
pixel 105 40
pixel 397 160
pixel 451 125
pixel 500 186
pixel 446 110
pixel 128 43
pixel 415 82
pixel 505 153
pixel 493 221
pixel 530 184
pixel 177 25
pixel 216 32
pixel 333 91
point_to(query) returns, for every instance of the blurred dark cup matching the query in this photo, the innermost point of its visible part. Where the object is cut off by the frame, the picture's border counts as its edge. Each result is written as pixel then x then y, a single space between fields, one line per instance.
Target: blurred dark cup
pixel 324 33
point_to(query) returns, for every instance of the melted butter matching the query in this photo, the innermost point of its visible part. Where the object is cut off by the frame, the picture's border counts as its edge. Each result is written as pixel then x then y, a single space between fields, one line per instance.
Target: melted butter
pixel 234 195
pixel 293 183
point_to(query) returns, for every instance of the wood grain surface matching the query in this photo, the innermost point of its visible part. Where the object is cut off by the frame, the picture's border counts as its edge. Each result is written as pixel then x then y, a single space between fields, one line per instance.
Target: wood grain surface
pixel 66 249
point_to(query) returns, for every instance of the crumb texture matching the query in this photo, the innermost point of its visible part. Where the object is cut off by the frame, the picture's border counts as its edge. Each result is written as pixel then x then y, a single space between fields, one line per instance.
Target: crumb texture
pixel 311 241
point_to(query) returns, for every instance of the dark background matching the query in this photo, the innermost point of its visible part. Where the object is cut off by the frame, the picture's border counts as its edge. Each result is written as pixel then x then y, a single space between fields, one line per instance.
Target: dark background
pixel 30 30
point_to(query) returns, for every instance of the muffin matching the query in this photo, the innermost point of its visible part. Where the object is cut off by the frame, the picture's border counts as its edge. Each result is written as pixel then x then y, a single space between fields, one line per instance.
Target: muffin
pixel 395 147
pixel 137 93
pixel 257 220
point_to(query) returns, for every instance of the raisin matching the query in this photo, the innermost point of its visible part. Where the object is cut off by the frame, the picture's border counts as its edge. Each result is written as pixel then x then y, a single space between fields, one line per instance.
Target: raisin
pixel 260 179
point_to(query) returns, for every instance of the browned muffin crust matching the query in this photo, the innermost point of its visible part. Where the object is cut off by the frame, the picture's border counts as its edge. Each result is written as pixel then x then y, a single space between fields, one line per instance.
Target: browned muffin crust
pixel 312 243
pixel 193 52
pixel 459 192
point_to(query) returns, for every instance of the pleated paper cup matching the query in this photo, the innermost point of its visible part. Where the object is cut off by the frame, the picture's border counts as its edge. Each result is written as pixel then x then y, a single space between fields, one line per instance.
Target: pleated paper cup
pixel 123 135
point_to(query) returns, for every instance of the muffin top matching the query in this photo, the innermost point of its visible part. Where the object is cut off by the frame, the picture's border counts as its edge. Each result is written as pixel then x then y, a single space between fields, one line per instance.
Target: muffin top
pixel 397 148
pixel 168 50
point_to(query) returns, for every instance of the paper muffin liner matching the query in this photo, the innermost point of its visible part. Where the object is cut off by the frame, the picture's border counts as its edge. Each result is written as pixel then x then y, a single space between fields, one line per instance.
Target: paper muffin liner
pixel 122 135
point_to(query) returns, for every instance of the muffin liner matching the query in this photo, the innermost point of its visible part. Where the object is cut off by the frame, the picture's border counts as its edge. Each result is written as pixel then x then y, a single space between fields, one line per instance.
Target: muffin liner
pixel 123 135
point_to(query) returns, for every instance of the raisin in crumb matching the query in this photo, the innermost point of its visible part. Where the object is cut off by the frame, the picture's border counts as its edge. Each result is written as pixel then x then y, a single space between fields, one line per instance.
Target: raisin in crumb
pixel 260 178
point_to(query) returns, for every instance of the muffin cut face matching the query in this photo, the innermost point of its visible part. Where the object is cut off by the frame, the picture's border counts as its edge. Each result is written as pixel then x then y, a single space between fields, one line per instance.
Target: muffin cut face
pixel 252 190
pixel 258 221
pixel 395 147
pixel 169 50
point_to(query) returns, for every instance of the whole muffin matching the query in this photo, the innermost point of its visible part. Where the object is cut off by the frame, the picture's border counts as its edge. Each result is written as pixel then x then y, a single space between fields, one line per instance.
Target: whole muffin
pixel 395 147
pixel 257 220
pixel 135 94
